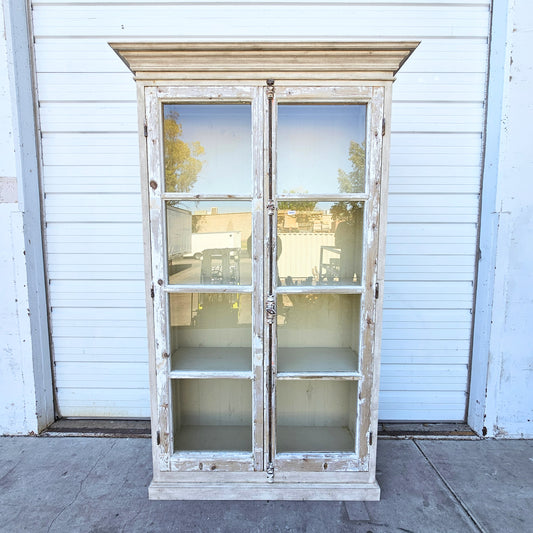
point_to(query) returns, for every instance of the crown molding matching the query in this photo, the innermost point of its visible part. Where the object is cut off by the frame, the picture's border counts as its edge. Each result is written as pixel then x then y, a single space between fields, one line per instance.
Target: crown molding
pixel 350 61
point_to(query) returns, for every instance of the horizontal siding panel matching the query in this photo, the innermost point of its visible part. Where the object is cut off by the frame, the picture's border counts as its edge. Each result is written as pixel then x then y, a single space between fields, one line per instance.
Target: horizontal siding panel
pixel 429 345
pixel 435 333
pixel 99 328
pixel 92 178
pixel 113 401
pixel 84 375
pixel 424 356
pixel 101 348
pixel 61 231
pixel 420 319
pixel 439 86
pixel 423 406
pixel 423 377
pixel 267 21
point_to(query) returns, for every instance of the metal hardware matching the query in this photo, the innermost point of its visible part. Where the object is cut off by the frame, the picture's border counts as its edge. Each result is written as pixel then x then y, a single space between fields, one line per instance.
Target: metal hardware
pixel 271 208
pixel 152 293
pixel 158 438
pixel 376 293
pixel 271 309
pixel 145 130
pixel 370 439
pixel 270 472
pixel 383 124
pixel 270 89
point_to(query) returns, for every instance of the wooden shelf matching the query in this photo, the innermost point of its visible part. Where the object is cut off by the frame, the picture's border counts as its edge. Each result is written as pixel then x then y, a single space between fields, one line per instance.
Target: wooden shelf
pixel 317 363
pixel 205 363
pixel 213 438
pixel 314 439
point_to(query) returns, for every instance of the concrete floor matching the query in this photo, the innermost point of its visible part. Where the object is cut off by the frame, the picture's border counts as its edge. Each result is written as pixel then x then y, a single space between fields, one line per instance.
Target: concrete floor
pixel 80 484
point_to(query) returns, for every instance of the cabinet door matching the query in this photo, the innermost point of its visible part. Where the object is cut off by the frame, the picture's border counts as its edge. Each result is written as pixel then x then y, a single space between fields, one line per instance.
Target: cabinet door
pixel 326 179
pixel 264 218
pixel 205 226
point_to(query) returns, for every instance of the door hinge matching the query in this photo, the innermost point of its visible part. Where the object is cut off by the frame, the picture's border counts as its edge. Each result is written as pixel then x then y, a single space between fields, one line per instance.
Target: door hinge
pixel 271 308
pixel 376 293
pixel 152 293
pixel 383 127
pixel 370 438
pixel 270 472
pixel 145 130
pixel 158 438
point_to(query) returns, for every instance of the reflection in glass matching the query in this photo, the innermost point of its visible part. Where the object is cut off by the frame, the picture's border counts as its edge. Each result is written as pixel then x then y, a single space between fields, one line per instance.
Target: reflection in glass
pixel 316 416
pixel 319 243
pixel 212 320
pixel 209 243
pixel 212 414
pixel 208 148
pixel 324 327
pixel 321 149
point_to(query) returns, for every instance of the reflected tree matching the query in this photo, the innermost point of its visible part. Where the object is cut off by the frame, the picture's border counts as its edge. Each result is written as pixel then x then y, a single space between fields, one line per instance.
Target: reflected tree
pixel 351 182
pixel 354 181
pixel 182 163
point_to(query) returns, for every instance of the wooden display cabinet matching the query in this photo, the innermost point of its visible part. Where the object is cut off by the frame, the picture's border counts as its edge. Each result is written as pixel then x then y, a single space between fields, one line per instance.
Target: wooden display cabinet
pixel 264 172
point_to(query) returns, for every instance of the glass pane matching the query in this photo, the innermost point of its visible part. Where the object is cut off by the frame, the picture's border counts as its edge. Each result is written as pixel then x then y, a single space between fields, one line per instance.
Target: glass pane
pixel 209 243
pixel 211 331
pixel 208 148
pixel 320 243
pixel 316 416
pixel 321 149
pixel 318 332
pixel 212 414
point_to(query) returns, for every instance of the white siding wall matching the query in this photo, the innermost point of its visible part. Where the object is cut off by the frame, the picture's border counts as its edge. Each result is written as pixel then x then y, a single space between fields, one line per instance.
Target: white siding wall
pixel 91 181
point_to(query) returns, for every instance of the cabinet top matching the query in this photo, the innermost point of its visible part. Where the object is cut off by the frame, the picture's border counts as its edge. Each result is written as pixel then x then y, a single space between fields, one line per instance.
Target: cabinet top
pixel 283 61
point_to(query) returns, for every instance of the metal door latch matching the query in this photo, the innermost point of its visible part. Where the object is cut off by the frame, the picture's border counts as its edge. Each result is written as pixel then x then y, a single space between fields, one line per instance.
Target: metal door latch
pixel 271 309
pixel 271 208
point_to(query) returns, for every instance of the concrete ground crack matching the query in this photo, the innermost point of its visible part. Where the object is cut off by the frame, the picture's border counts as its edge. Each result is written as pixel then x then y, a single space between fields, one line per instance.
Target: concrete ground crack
pixel 456 497
pixel 82 482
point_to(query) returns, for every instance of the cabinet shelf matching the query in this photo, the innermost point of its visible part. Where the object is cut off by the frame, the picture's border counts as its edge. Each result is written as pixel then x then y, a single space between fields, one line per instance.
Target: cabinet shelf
pixel 314 439
pixel 317 363
pixel 211 363
pixel 213 438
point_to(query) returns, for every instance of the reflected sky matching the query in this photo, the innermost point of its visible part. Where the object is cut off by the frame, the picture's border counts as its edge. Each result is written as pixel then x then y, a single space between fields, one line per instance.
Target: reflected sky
pixel 314 143
pixel 225 132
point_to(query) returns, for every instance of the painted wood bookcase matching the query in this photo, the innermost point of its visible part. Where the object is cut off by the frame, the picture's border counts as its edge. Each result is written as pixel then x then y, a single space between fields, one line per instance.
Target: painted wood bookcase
pixel 264 173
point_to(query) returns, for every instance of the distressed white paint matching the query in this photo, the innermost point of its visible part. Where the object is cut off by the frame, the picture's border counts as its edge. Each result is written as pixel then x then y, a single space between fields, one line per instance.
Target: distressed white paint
pixel 17 390
pixel 88 114
pixel 509 395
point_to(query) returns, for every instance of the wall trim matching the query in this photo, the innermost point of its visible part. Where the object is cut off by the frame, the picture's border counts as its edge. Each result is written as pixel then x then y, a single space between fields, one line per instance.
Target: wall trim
pixel 489 219
pixel 26 141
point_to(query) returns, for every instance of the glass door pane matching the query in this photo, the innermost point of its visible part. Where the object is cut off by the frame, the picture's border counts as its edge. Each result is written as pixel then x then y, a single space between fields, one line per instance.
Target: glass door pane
pixel 321 148
pixel 207 150
pixel 321 177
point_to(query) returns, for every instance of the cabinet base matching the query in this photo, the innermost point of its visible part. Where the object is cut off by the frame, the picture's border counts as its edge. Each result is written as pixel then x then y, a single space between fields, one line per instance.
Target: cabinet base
pixel 264 491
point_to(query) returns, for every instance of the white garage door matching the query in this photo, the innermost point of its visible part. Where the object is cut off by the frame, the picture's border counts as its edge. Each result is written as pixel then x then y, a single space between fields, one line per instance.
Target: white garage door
pixel 88 117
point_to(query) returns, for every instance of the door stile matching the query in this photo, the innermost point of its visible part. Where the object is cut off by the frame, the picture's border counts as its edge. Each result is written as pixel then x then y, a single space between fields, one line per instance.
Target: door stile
pixel 258 384
pixel 371 290
pixel 156 210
